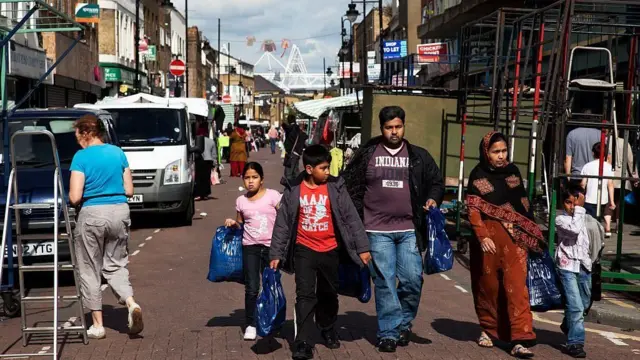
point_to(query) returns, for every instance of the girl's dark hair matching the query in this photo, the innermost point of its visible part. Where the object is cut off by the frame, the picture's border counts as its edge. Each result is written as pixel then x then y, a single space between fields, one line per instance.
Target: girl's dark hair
pixel 253 166
pixel 315 155
pixel 90 125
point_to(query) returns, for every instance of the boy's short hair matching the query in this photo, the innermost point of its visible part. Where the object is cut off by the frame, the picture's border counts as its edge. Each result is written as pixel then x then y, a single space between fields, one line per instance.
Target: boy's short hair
pixel 596 150
pixel 315 155
pixel 572 189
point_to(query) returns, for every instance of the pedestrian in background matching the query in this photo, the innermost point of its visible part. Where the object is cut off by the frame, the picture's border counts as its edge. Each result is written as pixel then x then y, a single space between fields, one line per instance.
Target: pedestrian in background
pixel 256 210
pixel 100 184
pixel 294 143
pixel 325 216
pixel 205 163
pixel 273 138
pixel 238 153
pixel 392 183
pixel 606 203
pixel 502 220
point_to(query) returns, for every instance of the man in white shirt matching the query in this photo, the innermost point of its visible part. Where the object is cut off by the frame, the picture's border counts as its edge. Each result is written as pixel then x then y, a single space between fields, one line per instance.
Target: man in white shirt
pixel 591 186
pixel 579 247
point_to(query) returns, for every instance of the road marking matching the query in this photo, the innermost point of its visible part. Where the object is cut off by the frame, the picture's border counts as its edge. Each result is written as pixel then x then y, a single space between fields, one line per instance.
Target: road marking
pixel 445 277
pixel 148 238
pixel 636 351
pixel 141 245
pixel 620 303
pixel 135 253
pixel 613 338
pixel 607 334
pixel 46 348
pixel 156 231
pixel 461 288
pixel 103 287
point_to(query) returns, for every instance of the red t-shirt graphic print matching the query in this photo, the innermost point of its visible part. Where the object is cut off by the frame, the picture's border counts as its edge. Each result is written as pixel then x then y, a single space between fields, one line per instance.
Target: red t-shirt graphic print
pixel 315 224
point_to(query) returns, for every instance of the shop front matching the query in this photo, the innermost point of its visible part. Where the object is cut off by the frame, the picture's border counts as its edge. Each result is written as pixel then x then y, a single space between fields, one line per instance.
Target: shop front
pixel 26 66
pixel 121 79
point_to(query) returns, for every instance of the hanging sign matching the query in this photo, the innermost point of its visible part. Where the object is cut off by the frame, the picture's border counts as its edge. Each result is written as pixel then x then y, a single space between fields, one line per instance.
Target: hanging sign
pixel 88 13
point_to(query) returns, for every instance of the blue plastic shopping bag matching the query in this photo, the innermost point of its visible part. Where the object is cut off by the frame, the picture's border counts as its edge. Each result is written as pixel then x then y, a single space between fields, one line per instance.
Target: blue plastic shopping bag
pixel 355 282
pixel 439 255
pixel 225 263
pixel 271 307
pixel 542 281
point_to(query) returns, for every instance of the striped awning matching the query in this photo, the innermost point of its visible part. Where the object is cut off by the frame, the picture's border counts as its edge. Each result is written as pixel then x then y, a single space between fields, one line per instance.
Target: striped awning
pixel 315 108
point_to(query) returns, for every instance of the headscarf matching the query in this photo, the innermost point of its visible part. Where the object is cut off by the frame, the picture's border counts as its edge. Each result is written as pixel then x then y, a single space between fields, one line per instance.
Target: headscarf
pixel 499 194
pixel 240 130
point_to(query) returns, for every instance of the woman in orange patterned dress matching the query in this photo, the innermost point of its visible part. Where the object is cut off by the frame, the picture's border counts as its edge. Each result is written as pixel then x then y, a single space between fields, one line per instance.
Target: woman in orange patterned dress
pixel 502 220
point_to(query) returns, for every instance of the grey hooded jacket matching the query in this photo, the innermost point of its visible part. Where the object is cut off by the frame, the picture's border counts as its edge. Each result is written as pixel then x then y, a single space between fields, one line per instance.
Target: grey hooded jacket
pixel 350 231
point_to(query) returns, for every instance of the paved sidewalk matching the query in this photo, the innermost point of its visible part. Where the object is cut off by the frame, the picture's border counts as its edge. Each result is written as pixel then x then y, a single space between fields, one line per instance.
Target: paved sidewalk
pixel 187 317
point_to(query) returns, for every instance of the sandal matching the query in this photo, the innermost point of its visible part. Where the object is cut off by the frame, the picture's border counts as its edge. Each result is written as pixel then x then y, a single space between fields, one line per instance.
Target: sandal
pixel 521 352
pixel 485 341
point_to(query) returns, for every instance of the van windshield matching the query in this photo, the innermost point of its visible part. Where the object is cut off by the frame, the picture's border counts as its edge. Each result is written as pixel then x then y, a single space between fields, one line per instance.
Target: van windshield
pixel 36 150
pixel 149 126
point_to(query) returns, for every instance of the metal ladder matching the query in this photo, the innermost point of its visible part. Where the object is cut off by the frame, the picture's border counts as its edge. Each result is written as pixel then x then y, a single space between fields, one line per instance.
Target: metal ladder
pixel 59 203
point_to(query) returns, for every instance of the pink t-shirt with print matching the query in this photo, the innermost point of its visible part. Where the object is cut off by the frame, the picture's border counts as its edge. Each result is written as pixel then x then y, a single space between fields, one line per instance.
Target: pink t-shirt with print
pixel 259 217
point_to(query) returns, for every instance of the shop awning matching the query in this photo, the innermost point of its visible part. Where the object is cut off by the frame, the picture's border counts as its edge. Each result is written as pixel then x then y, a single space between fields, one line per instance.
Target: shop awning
pixel 196 106
pixel 315 108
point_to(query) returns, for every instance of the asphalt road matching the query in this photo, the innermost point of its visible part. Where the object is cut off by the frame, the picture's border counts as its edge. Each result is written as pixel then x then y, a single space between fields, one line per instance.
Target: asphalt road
pixel 187 317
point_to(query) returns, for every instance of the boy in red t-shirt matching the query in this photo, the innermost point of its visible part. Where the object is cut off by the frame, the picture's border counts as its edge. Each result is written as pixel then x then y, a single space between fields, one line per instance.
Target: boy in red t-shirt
pixel 315 221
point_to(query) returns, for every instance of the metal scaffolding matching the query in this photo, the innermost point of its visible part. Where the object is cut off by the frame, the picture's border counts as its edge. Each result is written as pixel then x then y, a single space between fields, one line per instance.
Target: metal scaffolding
pixel 539 71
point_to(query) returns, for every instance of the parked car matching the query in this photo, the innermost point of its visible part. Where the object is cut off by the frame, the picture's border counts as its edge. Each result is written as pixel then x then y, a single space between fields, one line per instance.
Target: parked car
pixel 34 161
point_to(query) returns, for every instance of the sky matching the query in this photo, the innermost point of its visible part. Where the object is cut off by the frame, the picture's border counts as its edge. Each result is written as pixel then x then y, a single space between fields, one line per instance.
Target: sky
pixel 313 25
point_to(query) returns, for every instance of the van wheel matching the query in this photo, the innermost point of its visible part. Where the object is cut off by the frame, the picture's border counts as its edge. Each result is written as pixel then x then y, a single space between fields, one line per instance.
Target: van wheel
pixel 187 215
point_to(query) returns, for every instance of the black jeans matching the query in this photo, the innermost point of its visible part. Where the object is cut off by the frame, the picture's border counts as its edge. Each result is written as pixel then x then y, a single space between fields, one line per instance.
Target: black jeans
pixel 322 301
pixel 254 259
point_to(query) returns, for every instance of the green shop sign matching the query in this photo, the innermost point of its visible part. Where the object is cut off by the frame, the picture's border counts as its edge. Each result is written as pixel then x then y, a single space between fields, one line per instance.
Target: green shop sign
pixel 88 13
pixel 113 74
pixel 151 53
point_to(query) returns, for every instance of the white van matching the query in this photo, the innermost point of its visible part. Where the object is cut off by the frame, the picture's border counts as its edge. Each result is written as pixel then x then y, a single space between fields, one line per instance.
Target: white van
pixel 159 142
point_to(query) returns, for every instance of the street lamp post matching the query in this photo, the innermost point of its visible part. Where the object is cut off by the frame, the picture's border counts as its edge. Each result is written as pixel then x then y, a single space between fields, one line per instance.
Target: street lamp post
pixel 136 39
pixel 167 5
pixel 347 47
pixel 352 14
pixel 328 74
pixel 324 77
pixel 240 85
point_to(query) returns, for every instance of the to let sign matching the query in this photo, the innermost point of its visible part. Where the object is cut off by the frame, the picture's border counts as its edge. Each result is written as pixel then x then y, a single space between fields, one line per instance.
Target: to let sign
pixel 433 53
pixel 394 49
pixel 177 67
pixel 88 13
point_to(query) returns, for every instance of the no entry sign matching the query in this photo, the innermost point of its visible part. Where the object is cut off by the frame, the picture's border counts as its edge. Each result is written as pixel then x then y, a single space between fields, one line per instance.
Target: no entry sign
pixel 177 68
pixel 226 99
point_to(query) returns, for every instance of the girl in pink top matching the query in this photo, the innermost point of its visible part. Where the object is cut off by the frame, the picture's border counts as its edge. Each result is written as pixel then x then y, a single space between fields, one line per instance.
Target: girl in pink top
pixel 257 211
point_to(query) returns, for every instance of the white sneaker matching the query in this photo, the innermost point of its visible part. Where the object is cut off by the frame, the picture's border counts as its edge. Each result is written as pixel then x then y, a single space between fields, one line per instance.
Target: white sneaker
pixel 135 319
pixel 96 332
pixel 250 333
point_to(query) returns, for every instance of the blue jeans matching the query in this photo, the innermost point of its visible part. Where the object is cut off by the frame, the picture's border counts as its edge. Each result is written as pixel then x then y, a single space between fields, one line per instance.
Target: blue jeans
pixel 577 294
pixel 395 255
pixel 272 142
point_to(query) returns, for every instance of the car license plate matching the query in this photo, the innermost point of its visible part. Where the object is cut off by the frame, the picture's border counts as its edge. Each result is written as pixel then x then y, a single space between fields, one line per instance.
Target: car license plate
pixel 42 248
pixel 135 199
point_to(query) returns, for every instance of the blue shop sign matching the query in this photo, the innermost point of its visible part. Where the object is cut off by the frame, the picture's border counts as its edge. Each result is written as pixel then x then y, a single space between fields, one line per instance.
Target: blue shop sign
pixel 395 49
